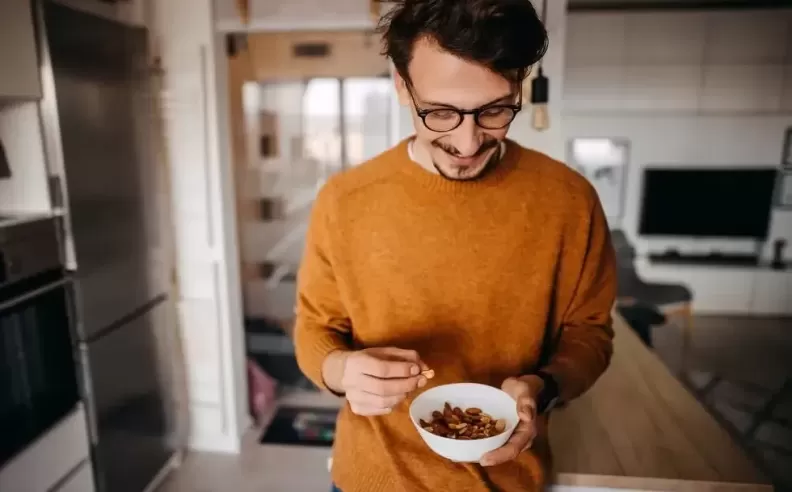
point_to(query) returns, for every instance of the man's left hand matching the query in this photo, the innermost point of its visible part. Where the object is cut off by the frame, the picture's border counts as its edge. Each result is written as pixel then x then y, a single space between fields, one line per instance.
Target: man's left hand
pixel 525 391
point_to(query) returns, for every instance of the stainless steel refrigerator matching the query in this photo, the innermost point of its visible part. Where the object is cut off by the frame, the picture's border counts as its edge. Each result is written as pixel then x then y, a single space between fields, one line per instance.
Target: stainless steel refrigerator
pixel 96 71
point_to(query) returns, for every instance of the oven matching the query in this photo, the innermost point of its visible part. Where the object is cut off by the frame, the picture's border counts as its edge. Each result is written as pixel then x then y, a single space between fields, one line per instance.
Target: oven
pixel 38 375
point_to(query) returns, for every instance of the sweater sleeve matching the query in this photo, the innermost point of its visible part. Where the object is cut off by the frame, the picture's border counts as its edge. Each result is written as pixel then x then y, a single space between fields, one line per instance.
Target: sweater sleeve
pixel 585 343
pixel 322 322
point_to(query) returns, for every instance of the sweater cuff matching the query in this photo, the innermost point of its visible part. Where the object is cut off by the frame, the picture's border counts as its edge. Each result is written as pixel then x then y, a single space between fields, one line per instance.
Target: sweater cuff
pixel 566 377
pixel 311 358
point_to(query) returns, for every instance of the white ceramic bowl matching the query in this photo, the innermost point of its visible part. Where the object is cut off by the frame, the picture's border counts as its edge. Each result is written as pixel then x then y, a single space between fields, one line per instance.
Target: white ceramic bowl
pixel 490 400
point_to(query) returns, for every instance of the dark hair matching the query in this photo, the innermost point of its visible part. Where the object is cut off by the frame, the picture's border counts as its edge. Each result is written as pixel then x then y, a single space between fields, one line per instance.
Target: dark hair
pixel 506 36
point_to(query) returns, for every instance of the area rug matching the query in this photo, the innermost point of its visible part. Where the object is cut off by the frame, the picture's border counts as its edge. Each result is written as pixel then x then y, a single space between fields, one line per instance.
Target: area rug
pixel 302 427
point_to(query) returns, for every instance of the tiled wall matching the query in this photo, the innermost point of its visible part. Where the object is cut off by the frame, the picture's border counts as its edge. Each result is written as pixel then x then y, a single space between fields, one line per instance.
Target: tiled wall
pixel 684 88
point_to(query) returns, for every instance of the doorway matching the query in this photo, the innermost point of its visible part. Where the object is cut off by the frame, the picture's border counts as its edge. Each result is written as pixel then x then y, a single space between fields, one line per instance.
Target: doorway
pixel 300 133
pixel 296 121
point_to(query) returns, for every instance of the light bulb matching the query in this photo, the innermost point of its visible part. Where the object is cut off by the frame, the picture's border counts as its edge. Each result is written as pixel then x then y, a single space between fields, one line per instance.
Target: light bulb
pixel 540 95
pixel 540 117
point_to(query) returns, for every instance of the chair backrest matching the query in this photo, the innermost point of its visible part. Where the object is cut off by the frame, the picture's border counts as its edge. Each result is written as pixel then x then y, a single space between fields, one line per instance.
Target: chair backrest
pixel 625 252
pixel 628 279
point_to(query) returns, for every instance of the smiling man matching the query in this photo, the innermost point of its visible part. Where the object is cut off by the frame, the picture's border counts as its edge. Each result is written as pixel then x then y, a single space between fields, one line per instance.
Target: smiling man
pixel 460 251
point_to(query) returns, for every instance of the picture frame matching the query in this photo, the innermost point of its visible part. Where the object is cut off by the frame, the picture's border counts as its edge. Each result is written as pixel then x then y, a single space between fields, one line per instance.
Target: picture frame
pixel 784 190
pixel 786 156
pixel 604 162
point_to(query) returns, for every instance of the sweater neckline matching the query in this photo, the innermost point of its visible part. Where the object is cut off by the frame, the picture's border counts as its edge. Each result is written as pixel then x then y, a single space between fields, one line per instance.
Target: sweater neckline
pixel 427 179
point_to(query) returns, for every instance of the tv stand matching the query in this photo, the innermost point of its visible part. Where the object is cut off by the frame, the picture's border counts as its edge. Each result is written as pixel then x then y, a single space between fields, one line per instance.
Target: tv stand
pixel 726 284
pixel 705 259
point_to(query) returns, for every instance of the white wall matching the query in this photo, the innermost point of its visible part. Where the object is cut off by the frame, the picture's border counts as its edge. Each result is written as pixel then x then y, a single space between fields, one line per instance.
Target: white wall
pixel 209 303
pixel 27 190
pixel 684 88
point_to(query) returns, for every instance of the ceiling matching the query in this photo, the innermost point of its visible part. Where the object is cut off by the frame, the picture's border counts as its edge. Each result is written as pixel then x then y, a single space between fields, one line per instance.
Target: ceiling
pixel 674 4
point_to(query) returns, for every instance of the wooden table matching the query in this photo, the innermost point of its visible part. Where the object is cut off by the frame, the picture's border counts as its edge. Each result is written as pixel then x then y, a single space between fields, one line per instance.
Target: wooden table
pixel 640 428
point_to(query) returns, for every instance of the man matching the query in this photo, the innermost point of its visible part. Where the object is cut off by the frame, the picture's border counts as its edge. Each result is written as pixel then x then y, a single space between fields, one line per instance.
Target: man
pixel 457 250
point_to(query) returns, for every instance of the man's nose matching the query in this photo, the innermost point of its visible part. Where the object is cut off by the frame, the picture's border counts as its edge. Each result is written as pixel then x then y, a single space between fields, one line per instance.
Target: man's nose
pixel 467 137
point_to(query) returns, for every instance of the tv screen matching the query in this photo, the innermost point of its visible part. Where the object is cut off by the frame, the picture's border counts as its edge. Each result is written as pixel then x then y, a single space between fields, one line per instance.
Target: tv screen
pixel 723 203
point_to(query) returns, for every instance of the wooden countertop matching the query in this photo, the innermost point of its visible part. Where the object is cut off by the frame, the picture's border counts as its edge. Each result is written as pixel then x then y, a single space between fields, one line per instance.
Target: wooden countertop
pixel 640 428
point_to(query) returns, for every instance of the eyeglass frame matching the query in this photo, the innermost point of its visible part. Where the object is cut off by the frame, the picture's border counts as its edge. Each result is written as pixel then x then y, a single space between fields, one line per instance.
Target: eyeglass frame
pixel 423 113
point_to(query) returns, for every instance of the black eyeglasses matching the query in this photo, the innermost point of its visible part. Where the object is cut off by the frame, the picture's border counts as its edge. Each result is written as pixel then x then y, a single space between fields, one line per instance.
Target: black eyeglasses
pixel 492 117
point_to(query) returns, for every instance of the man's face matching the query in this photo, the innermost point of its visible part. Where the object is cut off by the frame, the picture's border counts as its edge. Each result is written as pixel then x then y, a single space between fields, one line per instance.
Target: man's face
pixel 440 80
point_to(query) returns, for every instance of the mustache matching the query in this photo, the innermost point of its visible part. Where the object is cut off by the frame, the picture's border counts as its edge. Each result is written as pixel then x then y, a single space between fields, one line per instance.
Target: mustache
pixel 485 147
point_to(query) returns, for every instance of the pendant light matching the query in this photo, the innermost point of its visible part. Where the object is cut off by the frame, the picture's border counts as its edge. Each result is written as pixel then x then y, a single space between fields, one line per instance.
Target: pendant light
pixel 540 90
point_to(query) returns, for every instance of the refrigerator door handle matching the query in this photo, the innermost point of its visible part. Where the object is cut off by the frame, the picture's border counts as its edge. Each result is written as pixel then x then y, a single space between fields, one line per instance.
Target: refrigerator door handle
pixel 88 396
pixel 33 294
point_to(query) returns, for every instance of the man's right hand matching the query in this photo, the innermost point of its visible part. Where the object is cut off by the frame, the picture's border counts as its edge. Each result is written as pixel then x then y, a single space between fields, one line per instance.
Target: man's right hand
pixel 374 380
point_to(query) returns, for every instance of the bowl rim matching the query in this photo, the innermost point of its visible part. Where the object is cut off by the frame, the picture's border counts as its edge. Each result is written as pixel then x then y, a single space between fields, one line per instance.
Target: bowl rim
pixel 509 429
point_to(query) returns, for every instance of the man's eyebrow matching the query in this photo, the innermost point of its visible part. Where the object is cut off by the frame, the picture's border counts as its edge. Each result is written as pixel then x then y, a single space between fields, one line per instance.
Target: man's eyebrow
pixel 506 98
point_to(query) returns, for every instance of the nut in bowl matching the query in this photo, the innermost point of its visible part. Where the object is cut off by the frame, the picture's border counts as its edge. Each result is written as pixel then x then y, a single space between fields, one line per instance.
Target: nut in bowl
pixel 488 419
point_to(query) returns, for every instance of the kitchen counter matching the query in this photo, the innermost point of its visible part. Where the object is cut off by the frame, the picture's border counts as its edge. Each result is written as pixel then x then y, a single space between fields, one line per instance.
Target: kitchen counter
pixel 640 428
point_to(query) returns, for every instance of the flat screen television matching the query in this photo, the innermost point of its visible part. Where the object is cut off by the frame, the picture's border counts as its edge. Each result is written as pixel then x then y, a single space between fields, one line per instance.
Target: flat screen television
pixel 701 202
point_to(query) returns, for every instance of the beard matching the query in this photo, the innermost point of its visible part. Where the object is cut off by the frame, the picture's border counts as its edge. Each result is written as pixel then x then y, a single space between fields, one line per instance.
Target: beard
pixel 491 163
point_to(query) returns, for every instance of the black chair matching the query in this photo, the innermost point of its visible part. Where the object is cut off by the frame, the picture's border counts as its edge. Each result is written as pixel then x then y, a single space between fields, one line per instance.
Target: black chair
pixel 641 318
pixel 672 300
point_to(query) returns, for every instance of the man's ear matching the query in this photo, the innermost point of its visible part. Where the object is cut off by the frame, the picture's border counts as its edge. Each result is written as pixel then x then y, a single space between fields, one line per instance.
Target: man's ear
pixel 401 89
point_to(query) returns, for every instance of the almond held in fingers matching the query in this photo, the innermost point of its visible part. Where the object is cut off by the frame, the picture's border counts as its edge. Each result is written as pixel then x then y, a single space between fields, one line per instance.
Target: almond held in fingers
pixel 428 374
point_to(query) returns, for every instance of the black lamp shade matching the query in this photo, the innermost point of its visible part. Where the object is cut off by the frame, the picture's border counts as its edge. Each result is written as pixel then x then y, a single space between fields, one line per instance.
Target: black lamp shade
pixel 540 89
pixel 5 167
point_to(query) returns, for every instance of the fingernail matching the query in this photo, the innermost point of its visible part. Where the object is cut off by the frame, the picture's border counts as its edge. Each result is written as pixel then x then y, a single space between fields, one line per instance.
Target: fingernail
pixel 422 382
pixel 415 370
pixel 485 462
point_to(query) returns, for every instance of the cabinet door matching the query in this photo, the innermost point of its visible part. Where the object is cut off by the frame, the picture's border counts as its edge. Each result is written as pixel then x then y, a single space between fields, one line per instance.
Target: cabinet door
pixel 716 291
pixel 773 293
pixel 19 75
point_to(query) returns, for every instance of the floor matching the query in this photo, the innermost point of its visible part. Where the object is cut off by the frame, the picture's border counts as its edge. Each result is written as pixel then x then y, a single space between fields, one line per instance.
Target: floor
pixel 755 351
pixel 257 469
pixel 735 365
pixel 270 468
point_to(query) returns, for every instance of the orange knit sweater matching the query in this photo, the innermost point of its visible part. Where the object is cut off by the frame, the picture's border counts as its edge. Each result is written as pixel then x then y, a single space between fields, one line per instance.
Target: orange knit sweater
pixel 472 275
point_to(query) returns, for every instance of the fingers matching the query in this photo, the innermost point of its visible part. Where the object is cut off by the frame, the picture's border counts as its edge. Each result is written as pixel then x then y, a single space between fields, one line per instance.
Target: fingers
pixel 377 379
pixel 376 401
pixel 394 353
pixel 505 453
pixel 367 411
pixel 526 409
pixel 520 440
pixel 379 396
pixel 386 387
pixel 387 369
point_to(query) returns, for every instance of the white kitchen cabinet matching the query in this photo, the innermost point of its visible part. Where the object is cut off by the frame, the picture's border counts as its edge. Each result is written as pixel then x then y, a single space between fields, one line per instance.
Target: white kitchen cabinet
pixel 728 290
pixel 19 75
pixel 52 459
pixel 773 293
pixel 284 15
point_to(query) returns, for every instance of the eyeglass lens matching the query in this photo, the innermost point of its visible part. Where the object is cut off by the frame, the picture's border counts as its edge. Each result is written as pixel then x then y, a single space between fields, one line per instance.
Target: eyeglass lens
pixel 493 118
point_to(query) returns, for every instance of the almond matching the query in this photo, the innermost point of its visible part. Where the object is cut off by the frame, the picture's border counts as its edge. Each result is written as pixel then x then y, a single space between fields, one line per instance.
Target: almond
pixel 456 423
